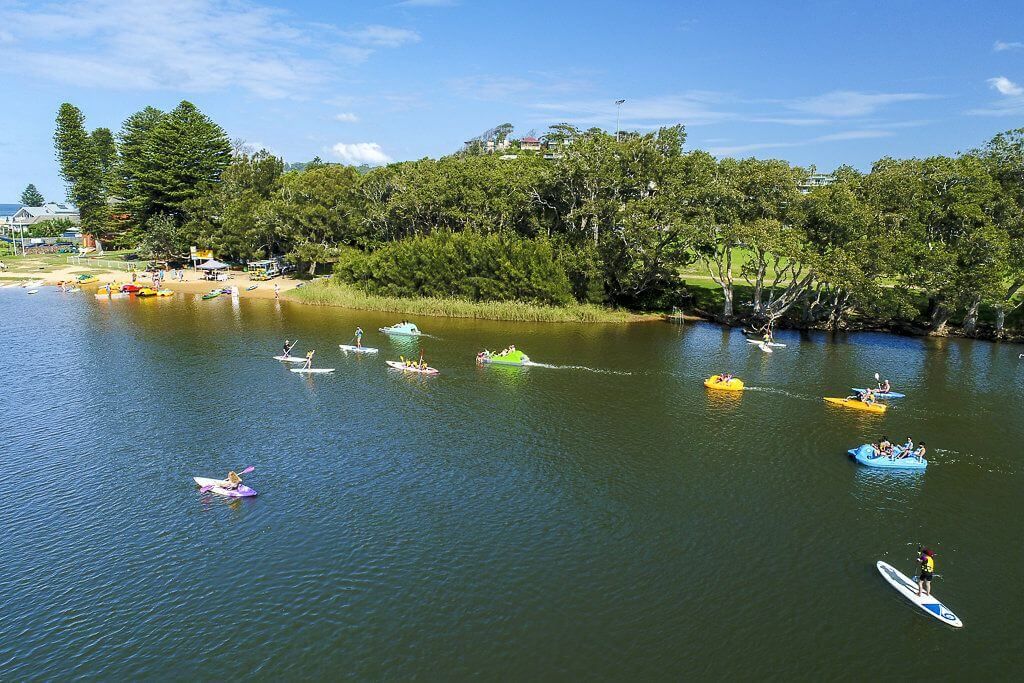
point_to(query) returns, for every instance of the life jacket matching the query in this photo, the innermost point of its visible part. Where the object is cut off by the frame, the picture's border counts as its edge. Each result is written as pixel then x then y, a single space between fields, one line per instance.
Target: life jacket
pixel 927 563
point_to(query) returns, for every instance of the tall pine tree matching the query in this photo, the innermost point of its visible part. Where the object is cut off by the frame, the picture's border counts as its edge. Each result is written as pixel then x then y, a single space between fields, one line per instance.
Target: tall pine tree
pixel 183 156
pixel 131 158
pixel 80 168
pixel 31 196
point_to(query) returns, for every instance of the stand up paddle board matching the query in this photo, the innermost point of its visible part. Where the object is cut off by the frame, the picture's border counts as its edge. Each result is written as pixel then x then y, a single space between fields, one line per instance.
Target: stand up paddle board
pixel 908 589
pixel 291 359
pixel 357 349
pixel 314 371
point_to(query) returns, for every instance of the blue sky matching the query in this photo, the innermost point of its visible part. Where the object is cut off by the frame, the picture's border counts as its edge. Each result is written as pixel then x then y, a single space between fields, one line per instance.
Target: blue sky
pixel 820 83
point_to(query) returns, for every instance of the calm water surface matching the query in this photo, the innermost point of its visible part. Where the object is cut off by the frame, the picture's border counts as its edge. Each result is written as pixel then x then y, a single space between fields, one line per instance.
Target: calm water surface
pixel 612 520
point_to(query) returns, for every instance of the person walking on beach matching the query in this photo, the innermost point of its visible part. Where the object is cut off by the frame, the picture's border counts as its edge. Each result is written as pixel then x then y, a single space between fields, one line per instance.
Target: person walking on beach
pixel 277 291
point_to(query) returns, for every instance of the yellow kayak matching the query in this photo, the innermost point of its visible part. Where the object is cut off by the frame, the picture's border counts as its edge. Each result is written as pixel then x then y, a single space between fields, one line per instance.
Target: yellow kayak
pixel 734 384
pixel 857 405
pixel 146 291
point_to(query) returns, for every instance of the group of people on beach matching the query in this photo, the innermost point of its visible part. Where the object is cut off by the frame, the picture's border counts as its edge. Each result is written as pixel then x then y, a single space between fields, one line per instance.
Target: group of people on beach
pixel 885 448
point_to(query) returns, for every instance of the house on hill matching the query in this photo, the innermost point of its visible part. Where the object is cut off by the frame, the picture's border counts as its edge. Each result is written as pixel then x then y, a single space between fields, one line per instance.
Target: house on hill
pixel 530 143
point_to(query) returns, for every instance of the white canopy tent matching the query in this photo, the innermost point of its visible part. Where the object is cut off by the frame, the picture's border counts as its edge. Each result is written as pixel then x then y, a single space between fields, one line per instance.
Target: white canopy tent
pixel 214 269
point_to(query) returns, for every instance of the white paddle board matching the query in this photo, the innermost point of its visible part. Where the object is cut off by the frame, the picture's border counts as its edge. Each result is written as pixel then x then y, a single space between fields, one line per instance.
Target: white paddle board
pixel 313 370
pixel 291 359
pixel 908 588
pixel 357 349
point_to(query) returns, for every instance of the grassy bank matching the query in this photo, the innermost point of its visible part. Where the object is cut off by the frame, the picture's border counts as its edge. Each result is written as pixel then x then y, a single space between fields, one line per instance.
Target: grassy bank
pixel 332 293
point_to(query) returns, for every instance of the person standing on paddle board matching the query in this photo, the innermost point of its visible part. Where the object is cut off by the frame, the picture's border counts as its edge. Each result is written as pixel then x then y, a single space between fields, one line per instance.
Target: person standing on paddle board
pixel 359 337
pixel 309 359
pixel 926 570
pixel 286 352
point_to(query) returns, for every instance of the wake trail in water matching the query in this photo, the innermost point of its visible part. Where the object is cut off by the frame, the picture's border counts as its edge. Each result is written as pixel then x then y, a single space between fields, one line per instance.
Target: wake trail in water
pixel 782 392
pixel 577 367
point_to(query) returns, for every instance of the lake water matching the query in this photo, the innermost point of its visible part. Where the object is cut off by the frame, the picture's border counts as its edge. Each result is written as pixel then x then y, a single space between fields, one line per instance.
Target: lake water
pixel 613 520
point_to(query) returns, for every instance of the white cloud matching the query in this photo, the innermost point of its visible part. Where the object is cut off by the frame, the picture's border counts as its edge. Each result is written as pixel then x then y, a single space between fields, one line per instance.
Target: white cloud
pixel 831 137
pixel 346 117
pixel 186 46
pixel 1000 46
pixel 694 108
pixel 1005 86
pixel 357 153
pixel 849 103
pixel 377 35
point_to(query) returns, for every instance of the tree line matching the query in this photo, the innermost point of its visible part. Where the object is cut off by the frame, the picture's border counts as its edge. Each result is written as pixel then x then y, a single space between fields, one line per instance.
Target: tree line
pixel 620 220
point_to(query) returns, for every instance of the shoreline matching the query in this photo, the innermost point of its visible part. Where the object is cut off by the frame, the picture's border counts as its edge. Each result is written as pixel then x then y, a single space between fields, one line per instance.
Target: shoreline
pixel 326 292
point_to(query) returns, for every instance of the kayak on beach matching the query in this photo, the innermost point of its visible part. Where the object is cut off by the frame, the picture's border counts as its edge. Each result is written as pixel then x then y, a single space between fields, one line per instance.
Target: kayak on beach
pixel 856 405
pixel 357 349
pixel 867 456
pixel 396 365
pixel 882 394
pixel 217 485
pixel 908 589
pixel 211 294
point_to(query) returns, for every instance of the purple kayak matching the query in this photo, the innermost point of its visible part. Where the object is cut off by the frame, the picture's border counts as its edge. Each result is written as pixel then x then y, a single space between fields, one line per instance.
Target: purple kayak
pixel 242 491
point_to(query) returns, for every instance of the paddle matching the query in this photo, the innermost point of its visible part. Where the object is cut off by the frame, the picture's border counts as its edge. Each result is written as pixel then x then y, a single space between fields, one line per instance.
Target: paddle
pixel 247 470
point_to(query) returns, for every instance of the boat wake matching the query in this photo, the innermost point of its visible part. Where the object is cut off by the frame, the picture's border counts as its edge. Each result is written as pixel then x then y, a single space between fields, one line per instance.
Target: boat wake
pixel 782 392
pixel 576 367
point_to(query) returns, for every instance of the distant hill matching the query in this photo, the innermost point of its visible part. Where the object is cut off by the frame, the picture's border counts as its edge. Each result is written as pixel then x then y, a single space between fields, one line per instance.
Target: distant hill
pixel 9 209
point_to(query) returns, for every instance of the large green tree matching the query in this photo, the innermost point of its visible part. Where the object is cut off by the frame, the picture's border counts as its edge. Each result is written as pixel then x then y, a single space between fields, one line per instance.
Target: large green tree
pixel 30 196
pixel 81 168
pixel 183 154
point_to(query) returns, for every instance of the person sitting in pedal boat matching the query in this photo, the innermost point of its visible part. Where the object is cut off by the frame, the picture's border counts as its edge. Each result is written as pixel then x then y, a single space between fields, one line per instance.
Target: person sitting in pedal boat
pixel 885 447
pixel 919 453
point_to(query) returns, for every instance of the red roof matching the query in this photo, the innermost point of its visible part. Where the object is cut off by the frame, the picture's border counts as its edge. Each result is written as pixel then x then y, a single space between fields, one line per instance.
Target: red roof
pixel 528 139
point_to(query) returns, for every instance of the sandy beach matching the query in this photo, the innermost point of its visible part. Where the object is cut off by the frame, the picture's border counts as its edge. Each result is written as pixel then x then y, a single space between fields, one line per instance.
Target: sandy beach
pixel 192 282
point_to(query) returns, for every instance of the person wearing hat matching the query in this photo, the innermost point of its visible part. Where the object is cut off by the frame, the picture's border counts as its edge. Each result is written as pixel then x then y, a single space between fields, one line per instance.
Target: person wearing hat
pixel 925 571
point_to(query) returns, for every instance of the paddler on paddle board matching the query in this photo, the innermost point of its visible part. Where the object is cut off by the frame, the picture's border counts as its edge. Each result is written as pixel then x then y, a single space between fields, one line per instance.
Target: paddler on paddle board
pixel 926 570
pixel 309 359
pixel 287 350
pixel 359 337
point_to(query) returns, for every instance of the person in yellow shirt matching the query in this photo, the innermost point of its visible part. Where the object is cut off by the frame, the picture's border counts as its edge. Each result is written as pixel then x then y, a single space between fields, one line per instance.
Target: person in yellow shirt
pixel 926 570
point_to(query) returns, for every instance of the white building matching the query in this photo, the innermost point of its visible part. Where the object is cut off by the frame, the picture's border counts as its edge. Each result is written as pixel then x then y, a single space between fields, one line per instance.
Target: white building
pixel 30 215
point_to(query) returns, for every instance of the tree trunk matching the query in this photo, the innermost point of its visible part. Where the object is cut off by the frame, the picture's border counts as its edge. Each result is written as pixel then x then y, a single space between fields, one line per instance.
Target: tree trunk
pixel 312 269
pixel 1000 321
pixel 727 310
pixel 971 319
pixel 940 318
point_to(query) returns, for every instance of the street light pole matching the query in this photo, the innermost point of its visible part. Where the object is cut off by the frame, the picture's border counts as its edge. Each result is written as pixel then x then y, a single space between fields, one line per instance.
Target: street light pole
pixel 618 108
